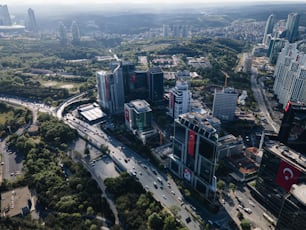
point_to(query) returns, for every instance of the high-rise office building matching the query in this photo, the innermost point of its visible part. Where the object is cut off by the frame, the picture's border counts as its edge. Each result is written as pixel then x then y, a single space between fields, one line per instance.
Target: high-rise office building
pixel 268 29
pixel 224 104
pixel 293 128
pixel 31 23
pixel 138 119
pixel 76 37
pixel 137 86
pixel 110 90
pixel 179 99
pixel 194 155
pixel 290 74
pixel 62 33
pixel 280 168
pixel 5 19
pixel 275 47
pixel 156 84
pixel 292 27
pixel 138 115
pixel 293 211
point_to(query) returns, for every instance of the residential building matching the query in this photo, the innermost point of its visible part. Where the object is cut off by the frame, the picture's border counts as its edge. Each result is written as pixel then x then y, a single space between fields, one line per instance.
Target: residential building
pixel 179 99
pixel 268 29
pixel 293 211
pixel 224 104
pixel 275 47
pixel 138 118
pixel 290 74
pixel 280 168
pixel 292 27
pixel 156 84
pixel 293 127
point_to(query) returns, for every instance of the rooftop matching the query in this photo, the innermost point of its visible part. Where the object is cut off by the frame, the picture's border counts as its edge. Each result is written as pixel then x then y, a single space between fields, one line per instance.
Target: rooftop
pixel 140 106
pixel 288 154
pixel 299 192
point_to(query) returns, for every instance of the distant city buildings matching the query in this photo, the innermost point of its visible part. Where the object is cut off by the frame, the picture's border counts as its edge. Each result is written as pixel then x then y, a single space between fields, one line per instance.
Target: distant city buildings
pixel 5 19
pixel 62 33
pixel 268 29
pixel 76 37
pixel 31 22
pixel 292 27
pixel 224 104
pixel 290 74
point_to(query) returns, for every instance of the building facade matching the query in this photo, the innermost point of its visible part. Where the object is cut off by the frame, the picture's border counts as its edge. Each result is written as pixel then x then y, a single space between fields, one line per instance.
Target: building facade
pixel 110 90
pixel 5 19
pixel 179 99
pixel 194 152
pixel 224 104
pixel 32 24
pixel 280 168
pixel 293 211
pixel 275 47
pixel 293 127
pixel 137 86
pixel 156 84
pixel 290 74
pixel 138 118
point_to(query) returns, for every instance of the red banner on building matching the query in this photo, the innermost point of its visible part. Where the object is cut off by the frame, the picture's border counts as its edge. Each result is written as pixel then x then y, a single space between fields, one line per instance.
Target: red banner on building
pixel 126 114
pixel 171 100
pixel 106 88
pixel 287 175
pixel 191 142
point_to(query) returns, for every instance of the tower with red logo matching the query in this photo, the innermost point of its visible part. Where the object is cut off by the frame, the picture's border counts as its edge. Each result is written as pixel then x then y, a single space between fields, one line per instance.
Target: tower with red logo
pixel 281 168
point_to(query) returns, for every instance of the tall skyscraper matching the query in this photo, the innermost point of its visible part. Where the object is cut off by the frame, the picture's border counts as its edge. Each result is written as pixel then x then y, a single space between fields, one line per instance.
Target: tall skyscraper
pixel 293 128
pixel 292 27
pixel 75 32
pixel 280 168
pixel 137 86
pixel 290 74
pixel 179 99
pixel 224 104
pixel 275 47
pixel 31 23
pixel 110 90
pixel 62 33
pixel 293 211
pixel 268 29
pixel 156 84
pixel 5 19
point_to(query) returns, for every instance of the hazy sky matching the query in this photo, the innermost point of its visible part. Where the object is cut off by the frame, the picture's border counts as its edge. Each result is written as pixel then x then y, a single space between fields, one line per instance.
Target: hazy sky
pixel 43 2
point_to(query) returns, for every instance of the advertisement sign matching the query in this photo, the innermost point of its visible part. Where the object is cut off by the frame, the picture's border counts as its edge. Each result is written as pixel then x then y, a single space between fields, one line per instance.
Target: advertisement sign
pixel 133 78
pixel 191 142
pixel 171 100
pixel 287 175
pixel 106 88
pixel 287 106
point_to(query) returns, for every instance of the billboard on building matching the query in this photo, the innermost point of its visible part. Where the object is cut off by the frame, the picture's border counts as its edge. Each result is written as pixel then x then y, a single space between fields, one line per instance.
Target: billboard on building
pixel 191 142
pixel 287 175
pixel 126 112
pixel 171 100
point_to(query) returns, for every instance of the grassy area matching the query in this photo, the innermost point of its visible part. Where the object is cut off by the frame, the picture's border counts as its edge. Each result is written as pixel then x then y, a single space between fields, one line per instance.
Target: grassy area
pixel 72 87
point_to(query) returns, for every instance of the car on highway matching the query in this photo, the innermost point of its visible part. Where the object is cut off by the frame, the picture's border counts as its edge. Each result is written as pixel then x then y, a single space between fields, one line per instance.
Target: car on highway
pixel 248 210
pixel 173 193
pixel 164 196
pixel 155 185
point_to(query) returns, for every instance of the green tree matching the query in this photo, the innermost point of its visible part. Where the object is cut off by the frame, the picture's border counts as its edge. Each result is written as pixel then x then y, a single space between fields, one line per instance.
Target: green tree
pixel 220 184
pixel 245 224
pixel 232 187
pixel 155 222
pixel 170 223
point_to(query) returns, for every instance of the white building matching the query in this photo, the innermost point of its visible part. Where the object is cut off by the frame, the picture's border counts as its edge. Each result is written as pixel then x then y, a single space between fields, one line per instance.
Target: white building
pixel 179 99
pixel 224 104
pixel 290 73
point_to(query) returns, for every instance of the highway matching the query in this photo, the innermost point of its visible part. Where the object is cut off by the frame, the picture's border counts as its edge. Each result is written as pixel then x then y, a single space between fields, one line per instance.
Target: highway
pixel 166 191
pixel 258 94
